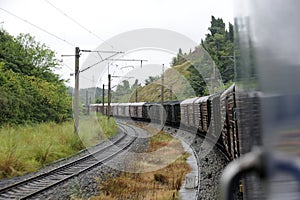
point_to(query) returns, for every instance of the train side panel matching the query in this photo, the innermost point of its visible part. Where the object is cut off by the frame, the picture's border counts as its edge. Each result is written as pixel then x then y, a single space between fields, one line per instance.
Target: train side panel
pixel 172 109
pixel 230 128
pixel 136 110
pixel 201 113
pixel 214 126
pixel 187 113
pixel 177 114
pixel 114 109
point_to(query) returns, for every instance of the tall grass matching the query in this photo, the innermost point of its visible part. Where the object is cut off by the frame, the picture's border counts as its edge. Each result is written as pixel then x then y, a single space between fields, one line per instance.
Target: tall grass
pixel 27 148
pixel 95 128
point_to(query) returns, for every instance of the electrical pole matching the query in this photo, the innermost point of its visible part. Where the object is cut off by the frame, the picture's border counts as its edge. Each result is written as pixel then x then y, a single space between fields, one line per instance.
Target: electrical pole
pixel 87 101
pixel 162 97
pixel 109 95
pixel 90 102
pixel 234 66
pixel 171 92
pixel 136 95
pixel 86 97
pixel 102 110
pixel 76 93
pixel 77 71
pixel 213 78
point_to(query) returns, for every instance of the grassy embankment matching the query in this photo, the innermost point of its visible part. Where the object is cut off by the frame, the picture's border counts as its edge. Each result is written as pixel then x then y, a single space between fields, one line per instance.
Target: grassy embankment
pixel 28 148
pixel 160 184
pixel 175 76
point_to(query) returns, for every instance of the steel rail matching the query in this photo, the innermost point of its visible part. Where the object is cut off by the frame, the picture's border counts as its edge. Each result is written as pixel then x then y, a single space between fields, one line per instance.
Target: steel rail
pixel 42 182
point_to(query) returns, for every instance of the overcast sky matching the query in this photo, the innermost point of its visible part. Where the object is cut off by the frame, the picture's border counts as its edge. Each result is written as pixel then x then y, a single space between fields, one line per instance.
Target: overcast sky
pixel 105 19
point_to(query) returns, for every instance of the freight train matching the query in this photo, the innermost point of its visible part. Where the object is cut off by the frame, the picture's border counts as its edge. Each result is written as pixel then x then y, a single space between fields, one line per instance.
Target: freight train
pixel 192 114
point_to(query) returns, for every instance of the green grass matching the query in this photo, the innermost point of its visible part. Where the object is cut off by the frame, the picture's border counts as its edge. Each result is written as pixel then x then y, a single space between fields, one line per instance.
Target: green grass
pixel 28 148
pixel 95 128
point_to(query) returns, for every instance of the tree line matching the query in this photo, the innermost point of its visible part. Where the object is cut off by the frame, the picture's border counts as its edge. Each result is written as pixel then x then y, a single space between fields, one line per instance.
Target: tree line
pixel 219 45
pixel 29 90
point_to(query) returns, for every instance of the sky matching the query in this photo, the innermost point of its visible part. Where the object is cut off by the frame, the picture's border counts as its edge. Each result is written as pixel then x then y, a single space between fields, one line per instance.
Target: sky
pixel 88 24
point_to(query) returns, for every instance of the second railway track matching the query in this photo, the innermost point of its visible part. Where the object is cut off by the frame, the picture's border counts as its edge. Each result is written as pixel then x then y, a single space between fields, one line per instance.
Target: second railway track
pixel 40 183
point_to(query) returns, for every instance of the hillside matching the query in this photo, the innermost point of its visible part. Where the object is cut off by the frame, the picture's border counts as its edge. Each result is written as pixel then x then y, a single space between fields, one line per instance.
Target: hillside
pixel 175 77
pixel 202 71
pixel 213 67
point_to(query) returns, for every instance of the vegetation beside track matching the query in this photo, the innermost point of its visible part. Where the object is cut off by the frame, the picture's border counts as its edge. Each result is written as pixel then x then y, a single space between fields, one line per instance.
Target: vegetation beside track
pixel 28 148
pixel 31 92
pixel 160 184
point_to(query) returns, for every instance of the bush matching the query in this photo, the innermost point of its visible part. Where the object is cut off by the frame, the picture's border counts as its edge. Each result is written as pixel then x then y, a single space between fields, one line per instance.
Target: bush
pixel 27 99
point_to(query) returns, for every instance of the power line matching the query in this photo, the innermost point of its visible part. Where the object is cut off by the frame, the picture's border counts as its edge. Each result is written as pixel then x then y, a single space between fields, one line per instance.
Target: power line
pixel 89 51
pixel 98 62
pixel 87 78
pixel 68 67
pixel 41 29
pixel 76 22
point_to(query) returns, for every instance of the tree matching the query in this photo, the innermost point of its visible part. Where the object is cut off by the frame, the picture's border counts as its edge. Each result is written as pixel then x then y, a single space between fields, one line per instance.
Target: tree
pixel 219 44
pixel 216 49
pixel 40 57
pixel 126 85
pixel 135 85
pixel 151 79
pixel 180 58
pixel 30 91
pixel 24 55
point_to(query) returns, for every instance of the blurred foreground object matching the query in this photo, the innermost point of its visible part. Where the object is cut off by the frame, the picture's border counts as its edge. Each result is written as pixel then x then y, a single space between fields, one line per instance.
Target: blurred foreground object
pixel 268 92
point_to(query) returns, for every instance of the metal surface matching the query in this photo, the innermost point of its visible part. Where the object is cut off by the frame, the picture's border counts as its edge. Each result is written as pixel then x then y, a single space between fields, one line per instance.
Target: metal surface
pixel 230 177
pixel 268 71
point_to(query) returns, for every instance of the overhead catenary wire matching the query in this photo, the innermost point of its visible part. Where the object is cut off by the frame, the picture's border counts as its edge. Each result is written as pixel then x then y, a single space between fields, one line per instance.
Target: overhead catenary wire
pixel 80 75
pixel 72 70
pixel 98 62
pixel 38 27
pixel 77 23
pixel 87 79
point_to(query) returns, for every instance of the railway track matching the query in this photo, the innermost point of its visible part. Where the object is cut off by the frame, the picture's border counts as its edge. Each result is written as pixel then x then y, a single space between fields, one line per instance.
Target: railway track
pixel 40 183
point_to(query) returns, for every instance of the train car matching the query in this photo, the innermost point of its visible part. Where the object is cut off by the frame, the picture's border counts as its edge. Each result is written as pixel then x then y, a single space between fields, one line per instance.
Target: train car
pixel 105 109
pixel 230 128
pixel 152 112
pixel 123 110
pixel 168 110
pixel 97 107
pixel 146 108
pixel 187 112
pixel 201 113
pixel 114 109
pixel 136 110
pixel 214 120
pixel 177 114
pixel 140 110
pixel 94 108
pixel 172 109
